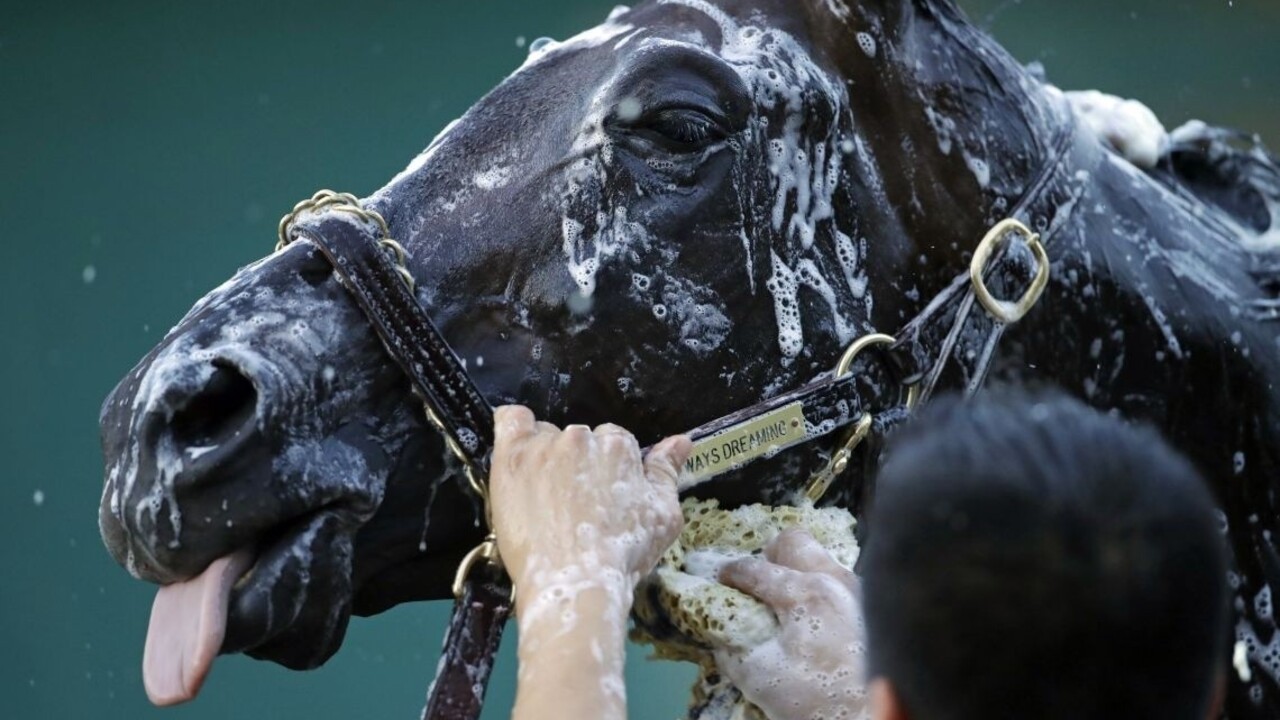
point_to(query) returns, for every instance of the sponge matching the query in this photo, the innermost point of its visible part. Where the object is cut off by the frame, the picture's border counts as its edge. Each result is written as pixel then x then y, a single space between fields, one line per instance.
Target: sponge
pixel 682 612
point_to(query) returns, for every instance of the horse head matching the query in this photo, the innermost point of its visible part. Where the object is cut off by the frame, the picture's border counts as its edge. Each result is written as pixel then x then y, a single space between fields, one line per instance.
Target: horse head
pixel 678 213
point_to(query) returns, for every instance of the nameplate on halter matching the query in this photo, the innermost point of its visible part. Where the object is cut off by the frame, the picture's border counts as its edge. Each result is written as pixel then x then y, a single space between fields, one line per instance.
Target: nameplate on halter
pixel 738 445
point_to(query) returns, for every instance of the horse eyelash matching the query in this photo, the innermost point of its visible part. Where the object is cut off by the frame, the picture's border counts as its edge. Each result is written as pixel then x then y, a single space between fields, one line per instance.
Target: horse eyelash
pixel 687 128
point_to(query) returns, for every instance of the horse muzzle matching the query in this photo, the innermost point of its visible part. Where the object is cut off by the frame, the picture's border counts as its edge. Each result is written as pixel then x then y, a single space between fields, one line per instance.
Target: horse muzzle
pixel 183 443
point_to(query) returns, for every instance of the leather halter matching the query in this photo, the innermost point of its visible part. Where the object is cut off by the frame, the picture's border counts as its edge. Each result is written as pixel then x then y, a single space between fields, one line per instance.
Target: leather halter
pixel 946 345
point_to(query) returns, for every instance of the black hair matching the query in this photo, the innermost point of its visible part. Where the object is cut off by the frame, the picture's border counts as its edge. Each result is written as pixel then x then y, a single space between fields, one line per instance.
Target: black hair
pixel 1028 557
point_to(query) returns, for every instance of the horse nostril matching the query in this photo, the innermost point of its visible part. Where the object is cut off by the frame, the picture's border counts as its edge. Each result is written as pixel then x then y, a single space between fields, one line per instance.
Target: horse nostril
pixel 315 269
pixel 217 411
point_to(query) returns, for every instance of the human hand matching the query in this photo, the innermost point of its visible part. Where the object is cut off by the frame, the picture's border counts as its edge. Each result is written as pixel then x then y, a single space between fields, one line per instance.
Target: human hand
pixel 578 508
pixel 814 667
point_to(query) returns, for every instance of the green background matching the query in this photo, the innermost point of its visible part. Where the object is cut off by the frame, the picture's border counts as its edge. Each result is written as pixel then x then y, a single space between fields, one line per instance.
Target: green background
pixel 147 150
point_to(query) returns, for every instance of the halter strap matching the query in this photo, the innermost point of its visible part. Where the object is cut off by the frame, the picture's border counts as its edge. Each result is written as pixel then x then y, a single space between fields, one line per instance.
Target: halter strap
pixel 372 268
pixel 946 345
pixel 375 275
pixel 868 394
pixel 949 345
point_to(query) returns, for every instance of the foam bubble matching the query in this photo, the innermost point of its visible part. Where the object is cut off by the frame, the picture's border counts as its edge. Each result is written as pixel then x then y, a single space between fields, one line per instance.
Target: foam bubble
pixel 541 44
pixel 784 286
pixel 867 43
pixel 493 178
pixel 629 109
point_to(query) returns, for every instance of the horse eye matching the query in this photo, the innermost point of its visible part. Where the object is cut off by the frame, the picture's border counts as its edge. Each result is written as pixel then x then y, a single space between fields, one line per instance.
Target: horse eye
pixel 680 130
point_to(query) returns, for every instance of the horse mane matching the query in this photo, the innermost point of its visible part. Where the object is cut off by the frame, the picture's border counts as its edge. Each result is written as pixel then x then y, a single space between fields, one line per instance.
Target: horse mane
pixel 1236 174
pixel 1219 169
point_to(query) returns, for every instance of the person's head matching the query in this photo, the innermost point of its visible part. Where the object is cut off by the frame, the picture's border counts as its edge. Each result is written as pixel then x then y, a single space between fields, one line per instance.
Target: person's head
pixel 1033 558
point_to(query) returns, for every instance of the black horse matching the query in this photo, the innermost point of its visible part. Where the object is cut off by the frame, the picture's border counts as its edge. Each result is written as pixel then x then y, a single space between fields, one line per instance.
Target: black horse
pixel 691 207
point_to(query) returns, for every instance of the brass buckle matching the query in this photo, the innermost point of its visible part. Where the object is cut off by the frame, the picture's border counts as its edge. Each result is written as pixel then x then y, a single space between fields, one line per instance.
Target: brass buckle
pixel 1003 310
pixel 855 435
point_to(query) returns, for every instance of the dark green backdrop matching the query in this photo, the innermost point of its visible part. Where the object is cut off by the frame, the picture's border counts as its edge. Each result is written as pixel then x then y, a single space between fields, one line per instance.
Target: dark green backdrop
pixel 147 150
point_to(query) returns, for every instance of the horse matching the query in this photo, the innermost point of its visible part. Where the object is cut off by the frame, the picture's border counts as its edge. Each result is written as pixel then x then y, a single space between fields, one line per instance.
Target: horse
pixel 693 207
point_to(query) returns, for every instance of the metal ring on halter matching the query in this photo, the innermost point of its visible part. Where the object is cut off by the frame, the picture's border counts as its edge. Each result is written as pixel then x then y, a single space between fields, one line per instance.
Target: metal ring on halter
pixel 853 437
pixel 350 204
pixel 846 361
pixel 1003 310
pixel 486 551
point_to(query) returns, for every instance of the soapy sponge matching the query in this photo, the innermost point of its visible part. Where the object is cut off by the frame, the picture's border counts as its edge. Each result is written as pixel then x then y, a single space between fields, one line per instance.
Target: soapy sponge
pixel 683 612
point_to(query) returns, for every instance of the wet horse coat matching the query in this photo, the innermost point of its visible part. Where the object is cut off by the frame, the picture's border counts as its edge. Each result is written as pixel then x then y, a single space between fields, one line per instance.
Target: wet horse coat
pixel 689 208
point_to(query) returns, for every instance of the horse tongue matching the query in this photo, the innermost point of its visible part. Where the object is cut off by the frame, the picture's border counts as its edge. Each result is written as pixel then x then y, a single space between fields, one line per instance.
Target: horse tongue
pixel 188 621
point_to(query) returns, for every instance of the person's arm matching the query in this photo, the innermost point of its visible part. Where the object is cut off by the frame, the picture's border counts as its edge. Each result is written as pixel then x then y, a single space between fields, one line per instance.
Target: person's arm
pixel 815 667
pixel 580 518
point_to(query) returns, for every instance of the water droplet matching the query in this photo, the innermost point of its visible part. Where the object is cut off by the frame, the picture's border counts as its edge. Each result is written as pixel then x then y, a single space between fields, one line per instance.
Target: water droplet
pixel 579 303
pixel 37 497
pixel 89 274
pixel 629 109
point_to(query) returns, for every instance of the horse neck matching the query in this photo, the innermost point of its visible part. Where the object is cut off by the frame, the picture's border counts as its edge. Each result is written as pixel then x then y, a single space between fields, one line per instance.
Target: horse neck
pixel 956 130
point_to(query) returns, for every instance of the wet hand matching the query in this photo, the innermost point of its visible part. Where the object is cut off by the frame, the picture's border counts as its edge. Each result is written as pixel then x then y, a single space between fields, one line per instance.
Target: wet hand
pixel 579 507
pixel 815 666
